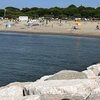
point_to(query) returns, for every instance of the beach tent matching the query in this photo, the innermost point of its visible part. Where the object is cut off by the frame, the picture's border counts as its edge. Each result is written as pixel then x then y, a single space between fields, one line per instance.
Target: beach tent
pixel 8 24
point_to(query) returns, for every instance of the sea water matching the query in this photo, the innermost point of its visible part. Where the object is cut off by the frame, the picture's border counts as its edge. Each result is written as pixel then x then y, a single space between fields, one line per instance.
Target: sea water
pixel 27 57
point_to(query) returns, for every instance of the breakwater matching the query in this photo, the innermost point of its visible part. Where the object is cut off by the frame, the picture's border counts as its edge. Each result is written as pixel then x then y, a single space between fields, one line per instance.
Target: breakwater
pixel 64 85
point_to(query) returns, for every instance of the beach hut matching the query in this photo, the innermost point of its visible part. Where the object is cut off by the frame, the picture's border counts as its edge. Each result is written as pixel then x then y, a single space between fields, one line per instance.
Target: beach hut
pixel 23 18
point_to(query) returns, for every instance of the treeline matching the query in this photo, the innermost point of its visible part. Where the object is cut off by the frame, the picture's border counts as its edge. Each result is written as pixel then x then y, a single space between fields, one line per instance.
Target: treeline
pixel 71 11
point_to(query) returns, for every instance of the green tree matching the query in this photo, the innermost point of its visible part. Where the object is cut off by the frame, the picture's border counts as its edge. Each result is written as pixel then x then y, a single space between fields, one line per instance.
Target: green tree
pixel 1 12
pixel 12 12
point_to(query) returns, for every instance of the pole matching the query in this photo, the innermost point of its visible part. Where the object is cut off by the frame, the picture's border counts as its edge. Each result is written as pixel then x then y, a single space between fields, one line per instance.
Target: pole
pixel 4 12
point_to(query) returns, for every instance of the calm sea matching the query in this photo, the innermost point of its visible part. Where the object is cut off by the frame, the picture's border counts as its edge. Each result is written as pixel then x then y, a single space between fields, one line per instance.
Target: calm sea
pixel 27 57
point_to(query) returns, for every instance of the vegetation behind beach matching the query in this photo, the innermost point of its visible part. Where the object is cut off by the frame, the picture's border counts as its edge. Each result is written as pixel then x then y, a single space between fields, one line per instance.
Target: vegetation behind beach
pixel 71 11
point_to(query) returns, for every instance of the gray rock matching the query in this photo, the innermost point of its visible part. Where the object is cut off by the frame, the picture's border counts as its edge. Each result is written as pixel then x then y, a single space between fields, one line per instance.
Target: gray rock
pixel 67 75
pixel 95 94
pixel 95 69
pixel 70 89
pixel 31 97
pixel 59 97
pixel 92 71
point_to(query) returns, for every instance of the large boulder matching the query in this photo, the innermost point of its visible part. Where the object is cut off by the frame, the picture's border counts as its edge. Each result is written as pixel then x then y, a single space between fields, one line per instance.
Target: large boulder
pixel 59 97
pixel 95 94
pixel 11 92
pixel 64 88
pixel 31 97
pixel 89 73
pixel 93 71
pixel 95 68
pixel 67 75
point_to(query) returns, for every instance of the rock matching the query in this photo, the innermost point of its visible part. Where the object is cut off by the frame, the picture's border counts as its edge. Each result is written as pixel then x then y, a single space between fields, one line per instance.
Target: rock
pixel 93 71
pixel 95 94
pixel 32 97
pixel 59 97
pixel 71 88
pixel 45 78
pixel 67 75
pixel 95 68
pixel 11 92
pixel 89 73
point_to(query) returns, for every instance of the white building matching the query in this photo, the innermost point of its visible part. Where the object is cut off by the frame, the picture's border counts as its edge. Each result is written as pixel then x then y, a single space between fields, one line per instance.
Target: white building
pixel 23 18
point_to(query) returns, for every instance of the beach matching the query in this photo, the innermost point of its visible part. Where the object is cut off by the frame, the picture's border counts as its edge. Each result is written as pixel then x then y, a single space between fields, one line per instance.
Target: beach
pixel 86 28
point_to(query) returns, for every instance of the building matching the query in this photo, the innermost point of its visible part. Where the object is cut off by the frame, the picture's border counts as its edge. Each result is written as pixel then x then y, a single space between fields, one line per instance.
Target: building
pixel 23 18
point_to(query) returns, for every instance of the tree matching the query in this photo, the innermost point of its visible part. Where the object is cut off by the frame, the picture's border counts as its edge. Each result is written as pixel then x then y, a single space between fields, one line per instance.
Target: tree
pixel 1 12
pixel 12 12
pixel 71 11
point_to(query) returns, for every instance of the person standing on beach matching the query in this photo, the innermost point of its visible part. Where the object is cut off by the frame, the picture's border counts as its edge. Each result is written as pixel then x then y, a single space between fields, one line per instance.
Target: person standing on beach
pixel 97 27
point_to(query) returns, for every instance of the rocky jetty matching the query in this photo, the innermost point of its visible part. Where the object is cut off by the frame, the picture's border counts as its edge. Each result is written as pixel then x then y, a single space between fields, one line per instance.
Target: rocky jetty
pixel 64 85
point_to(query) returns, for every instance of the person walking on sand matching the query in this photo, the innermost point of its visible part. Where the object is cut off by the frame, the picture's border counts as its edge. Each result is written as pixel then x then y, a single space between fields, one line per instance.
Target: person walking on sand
pixel 97 27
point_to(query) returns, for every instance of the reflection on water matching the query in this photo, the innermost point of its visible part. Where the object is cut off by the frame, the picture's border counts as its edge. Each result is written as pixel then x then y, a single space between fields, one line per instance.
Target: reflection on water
pixel 29 57
pixel 78 47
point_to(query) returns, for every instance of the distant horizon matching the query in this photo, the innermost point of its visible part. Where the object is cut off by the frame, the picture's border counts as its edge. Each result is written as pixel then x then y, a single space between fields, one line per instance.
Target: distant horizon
pixel 48 4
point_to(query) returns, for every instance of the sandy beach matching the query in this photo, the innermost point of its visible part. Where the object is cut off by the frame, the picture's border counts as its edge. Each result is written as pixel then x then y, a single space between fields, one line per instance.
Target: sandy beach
pixel 54 27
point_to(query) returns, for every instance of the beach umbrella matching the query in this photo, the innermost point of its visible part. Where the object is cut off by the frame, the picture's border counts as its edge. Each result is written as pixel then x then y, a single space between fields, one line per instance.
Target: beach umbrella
pixel 77 23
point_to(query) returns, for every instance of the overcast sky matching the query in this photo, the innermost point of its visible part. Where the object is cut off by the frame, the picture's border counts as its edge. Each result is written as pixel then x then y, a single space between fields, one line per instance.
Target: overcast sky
pixel 48 3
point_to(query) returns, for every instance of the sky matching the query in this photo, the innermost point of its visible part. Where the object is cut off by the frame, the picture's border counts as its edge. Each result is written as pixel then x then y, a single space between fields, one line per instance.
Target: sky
pixel 48 3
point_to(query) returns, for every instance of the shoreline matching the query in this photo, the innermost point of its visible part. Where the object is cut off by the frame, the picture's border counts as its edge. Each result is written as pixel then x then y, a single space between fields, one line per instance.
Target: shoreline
pixel 75 34
pixel 86 29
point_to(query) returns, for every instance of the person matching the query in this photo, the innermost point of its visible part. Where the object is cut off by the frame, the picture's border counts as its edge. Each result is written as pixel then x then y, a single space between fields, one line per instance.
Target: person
pixel 97 27
pixel 6 25
pixel 75 28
